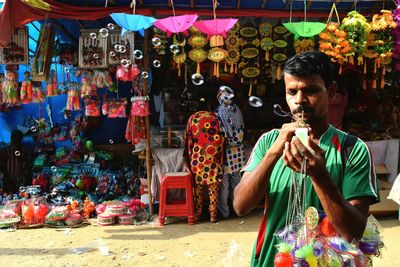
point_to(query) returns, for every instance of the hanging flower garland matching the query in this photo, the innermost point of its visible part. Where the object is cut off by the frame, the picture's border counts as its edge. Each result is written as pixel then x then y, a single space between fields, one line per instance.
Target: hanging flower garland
pixel 303 45
pixel 357 29
pixel 381 28
pixel 396 37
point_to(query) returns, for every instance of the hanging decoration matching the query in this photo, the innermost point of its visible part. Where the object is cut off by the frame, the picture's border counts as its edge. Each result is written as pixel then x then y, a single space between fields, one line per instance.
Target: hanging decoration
pixel 16 51
pixel 357 29
pixel 42 59
pixel 52 84
pixel 216 30
pixel 232 43
pixel 197 41
pixel 381 29
pixel 26 88
pixel 176 24
pixel 92 50
pixel 333 41
pixel 279 55
pixel 132 22
pixel 303 28
pixel 266 43
pixel 10 90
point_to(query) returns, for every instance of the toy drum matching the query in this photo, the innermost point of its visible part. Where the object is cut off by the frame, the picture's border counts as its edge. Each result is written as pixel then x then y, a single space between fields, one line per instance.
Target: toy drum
pixel 105 219
pixel 126 219
pixel 73 219
pixel 116 210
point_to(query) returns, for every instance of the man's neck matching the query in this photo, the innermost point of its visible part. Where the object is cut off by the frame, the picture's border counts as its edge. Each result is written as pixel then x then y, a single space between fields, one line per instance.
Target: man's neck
pixel 318 129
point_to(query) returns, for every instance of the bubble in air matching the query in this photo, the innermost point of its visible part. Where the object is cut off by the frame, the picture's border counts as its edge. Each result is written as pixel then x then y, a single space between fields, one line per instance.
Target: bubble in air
pixel 156 63
pixel 145 74
pixel 156 41
pixel 117 48
pixel 197 79
pixel 255 101
pixel 17 153
pixel 111 141
pixel 93 35
pixel 227 90
pixel 66 69
pixel 174 49
pixel 138 54
pixel 122 49
pixel 110 26
pixel 53 168
pixel 112 53
pixel 95 55
pixel 103 33
pixel 125 63
pixel 33 128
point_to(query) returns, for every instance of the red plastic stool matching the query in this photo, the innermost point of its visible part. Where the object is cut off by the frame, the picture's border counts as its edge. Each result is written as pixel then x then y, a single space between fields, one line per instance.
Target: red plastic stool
pixel 176 180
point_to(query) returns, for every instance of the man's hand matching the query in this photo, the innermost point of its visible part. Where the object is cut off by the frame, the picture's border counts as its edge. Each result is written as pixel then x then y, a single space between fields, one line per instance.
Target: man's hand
pixel 285 135
pixel 295 152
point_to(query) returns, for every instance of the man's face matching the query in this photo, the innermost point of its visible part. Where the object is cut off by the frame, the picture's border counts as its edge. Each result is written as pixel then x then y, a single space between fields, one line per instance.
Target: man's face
pixel 307 93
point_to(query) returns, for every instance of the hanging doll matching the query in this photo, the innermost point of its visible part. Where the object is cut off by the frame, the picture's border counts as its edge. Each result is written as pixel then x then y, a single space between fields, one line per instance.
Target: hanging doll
pixel 26 88
pixel 10 89
pixel 38 95
pixel 92 107
pixel 87 88
pixel 52 84
pixel 73 98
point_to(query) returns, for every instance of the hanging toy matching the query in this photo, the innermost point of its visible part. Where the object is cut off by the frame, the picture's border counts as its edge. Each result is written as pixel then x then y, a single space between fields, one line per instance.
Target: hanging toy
pixel 26 88
pixel 52 84
pixel 283 258
pixel 38 95
pixel 73 102
pixel 10 89
pixel 87 88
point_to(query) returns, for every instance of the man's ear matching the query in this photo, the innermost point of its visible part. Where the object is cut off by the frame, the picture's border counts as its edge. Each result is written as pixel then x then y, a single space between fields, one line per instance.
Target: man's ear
pixel 332 89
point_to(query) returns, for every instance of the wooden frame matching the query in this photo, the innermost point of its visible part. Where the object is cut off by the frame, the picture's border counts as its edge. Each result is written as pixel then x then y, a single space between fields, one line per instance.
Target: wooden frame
pixel 128 40
pixel 92 51
pixel 17 50
pixel 42 60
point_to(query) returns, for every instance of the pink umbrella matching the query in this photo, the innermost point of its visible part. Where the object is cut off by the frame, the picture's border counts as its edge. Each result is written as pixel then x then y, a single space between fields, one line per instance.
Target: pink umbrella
pixel 176 24
pixel 215 26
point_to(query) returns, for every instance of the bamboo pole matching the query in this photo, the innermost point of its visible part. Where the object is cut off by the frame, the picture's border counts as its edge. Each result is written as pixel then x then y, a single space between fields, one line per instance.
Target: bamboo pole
pixel 147 119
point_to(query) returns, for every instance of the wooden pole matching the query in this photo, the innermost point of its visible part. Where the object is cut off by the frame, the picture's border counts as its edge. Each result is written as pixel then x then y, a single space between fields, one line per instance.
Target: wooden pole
pixel 147 118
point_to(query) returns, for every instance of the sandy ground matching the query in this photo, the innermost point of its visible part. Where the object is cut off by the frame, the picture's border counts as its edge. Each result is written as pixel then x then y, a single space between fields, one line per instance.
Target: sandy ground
pixel 175 244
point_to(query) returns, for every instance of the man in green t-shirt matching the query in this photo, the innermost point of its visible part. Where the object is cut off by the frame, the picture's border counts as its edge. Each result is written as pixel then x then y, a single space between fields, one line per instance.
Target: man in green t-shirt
pixel 343 185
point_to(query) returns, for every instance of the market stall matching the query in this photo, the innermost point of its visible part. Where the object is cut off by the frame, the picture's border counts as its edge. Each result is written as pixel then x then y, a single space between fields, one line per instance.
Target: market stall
pixel 104 79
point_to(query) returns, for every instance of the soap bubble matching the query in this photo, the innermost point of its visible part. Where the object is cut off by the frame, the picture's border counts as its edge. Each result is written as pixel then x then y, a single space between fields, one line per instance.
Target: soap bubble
pixel 156 63
pixel 125 63
pixel 66 69
pixel 103 33
pixel 93 35
pixel 112 53
pixel 255 101
pixel 227 90
pixel 111 141
pixel 117 48
pixel 156 41
pixel 95 55
pixel 33 128
pixel 53 168
pixel 174 49
pixel 145 74
pixel 138 54
pixel 17 153
pixel 110 26
pixel 122 49
pixel 197 79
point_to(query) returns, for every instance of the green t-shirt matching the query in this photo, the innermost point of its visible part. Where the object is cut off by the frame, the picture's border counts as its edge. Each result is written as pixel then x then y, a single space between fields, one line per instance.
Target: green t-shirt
pixel 356 179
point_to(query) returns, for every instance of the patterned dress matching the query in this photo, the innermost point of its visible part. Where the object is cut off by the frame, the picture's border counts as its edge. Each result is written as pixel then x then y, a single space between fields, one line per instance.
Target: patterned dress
pixel 204 156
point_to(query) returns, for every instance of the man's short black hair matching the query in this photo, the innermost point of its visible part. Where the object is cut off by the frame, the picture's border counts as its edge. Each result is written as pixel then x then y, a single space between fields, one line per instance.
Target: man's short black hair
pixel 311 63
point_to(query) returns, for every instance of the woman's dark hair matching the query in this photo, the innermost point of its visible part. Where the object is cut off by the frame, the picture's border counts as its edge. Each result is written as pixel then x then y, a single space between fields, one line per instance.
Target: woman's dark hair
pixel 311 63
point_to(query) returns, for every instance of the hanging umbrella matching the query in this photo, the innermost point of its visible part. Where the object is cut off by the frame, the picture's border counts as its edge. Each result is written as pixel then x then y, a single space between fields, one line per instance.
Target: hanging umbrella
pixel 176 24
pixel 304 28
pixel 129 22
pixel 215 26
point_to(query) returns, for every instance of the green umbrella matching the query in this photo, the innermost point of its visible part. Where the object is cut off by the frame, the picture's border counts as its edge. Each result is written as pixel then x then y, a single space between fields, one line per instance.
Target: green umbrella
pixel 304 28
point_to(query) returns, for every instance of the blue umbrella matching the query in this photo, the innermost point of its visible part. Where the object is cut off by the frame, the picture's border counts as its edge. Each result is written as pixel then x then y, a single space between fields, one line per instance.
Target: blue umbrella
pixel 129 22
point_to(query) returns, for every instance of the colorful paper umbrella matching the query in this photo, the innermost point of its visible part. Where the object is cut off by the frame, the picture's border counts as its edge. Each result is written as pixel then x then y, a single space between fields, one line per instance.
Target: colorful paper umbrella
pixel 304 28
pixel 176 24
pixel 135 23
pixel 215 26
